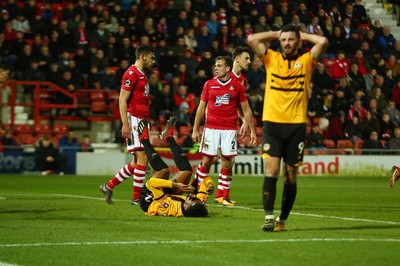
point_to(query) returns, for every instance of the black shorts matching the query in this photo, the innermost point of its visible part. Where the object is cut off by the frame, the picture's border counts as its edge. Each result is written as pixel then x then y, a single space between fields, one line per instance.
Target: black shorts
pixel 285 141
pixel 145 198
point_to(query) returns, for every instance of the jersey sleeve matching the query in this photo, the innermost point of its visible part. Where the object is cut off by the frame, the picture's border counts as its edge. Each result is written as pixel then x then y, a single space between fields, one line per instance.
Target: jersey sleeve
pixel 128 81
pixel 266 57
pixel 202 193
pixel 156 186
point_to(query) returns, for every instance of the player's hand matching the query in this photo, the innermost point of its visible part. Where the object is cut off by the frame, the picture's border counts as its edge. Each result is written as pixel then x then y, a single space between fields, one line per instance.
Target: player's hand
pixel 210 189
pixel 253 138
pixel 126 132
pixel 243 129
pixel 196 136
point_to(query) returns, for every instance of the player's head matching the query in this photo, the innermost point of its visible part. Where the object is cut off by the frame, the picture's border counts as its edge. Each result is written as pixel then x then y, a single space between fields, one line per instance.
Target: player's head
pixel 4 72
pixel 290 40
pixel 146 54
pixel 223 66
pixel 194 207
pixel 241 57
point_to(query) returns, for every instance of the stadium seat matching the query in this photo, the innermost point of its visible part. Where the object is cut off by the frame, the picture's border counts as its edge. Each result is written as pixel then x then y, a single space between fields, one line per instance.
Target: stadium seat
pixel 43 129
pixel 98 102
pixel 24 129
pixel 26 139
pixel 344 144
pixel 60 130
pixel 329 143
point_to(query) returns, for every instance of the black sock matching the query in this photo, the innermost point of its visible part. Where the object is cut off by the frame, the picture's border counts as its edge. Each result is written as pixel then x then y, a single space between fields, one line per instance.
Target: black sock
pixel 180 158
pixel 269 194
pixel 288 197
pixel 154 159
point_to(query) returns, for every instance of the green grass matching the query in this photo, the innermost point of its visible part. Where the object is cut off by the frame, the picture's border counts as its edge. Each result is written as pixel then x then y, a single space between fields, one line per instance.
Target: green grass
pixel 63 220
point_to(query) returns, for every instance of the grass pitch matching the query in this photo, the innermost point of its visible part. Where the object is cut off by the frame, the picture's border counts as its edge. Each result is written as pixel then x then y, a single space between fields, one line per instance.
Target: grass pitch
pixel 64 220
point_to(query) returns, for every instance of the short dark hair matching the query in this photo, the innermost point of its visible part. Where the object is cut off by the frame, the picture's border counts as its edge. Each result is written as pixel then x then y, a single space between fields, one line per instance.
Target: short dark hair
pixel 291 27
pixel 228 60
pixel 198 209
pixel 144 49
pixel 240 50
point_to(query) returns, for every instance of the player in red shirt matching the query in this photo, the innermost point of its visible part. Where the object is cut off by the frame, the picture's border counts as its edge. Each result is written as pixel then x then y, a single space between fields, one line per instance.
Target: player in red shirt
pixel 222 96
pixel 134 105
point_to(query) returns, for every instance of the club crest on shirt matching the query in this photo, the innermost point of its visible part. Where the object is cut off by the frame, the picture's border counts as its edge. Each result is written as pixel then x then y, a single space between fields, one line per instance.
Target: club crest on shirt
pixel 231 88
pixel 297 65
pixel 266 147
pixel 224 99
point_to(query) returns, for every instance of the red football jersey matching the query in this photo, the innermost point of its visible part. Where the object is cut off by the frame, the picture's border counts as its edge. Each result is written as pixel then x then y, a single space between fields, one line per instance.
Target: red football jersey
pixel 223 100
pixel 135 81
pixel 241 77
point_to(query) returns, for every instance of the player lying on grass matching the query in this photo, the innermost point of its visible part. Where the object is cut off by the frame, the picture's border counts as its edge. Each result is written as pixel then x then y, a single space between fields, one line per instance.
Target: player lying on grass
pixel 164 197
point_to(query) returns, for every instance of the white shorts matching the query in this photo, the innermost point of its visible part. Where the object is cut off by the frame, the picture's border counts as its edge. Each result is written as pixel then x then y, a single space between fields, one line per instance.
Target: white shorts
pixel 133 144
pixel 213 139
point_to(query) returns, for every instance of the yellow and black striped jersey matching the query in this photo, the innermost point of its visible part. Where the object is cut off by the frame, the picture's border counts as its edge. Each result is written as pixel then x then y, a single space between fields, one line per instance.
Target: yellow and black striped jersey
pixel 287 86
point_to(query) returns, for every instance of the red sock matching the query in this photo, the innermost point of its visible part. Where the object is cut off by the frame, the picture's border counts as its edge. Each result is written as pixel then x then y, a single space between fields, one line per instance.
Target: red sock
pixel 138 177
pixel 226 178
pixel 201 173
pixel 220 189
pixel 121 176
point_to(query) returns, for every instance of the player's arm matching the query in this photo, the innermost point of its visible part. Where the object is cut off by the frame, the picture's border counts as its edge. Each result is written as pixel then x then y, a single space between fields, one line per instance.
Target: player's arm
pixel 156 185
pixel 248 116
pixel 201 109
pixel 123 109
pixel 259 41
pixel 320 44
pixel 243 127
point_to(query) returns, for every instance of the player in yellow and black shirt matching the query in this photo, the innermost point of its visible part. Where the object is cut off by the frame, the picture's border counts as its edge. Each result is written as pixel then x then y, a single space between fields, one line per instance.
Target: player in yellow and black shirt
pixel 284 112
pixel 164 197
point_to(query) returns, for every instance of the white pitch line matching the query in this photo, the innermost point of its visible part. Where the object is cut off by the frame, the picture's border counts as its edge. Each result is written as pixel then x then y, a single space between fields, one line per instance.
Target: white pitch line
pixel 7 264
pixel 183 242
pixel 235 207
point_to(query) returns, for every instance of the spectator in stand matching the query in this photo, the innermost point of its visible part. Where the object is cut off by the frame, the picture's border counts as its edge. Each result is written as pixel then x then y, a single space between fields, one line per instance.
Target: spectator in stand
pixel 198 81
pixel 255 102
pixel 184 76
pixel 357 110
pixel 20 23
pixel 393 112
pixel 322 82
pixel 314 27
pixel 204 39
pixel 381 102
pixel 285 13
pixel 168 64
pixel 371 38
pixel 86 145
pixel 353 130
pixel 190 62
pixel 369 123
pixel 182 95
pixel 69 143
pixel 315 139
pixel 394 141
pixel 386 42
pixel 183 117
pixel 99 60
pixel 346 28
pixel 393 64
pixel 341 67
pixel 123 66
pixel 340 102
pixel 164 102
pixel 21 65
pixel 207 63
pixel 67 83
pixel 386 127
pixel 356 79
pixel 303 13
pixel 34 73
pixel 107 80
pixel 8 142
pixel 93 78
pixel 262 24
pixel 371 144
pixel 396 93
pixel 336 128
pixel 255 74
pixel 47 157
pixel 336 41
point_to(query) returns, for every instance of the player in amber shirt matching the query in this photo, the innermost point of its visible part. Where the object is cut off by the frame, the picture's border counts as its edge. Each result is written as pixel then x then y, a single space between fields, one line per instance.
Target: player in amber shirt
pixel 222 96
pixel 163 197
pixel 285 112
pixel 134 105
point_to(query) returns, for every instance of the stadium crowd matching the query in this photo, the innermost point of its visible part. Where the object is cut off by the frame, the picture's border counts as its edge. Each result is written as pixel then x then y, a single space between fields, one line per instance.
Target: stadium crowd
pixel 88 44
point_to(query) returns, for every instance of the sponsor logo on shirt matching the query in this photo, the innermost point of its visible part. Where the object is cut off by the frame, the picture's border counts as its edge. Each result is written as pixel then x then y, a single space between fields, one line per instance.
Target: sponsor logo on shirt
pixel 224 99
pixel 214 87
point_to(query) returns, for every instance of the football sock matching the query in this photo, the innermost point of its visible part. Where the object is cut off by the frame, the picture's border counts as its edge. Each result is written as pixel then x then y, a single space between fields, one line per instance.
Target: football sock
pixel 121 176
pixel 180 158
pixel 220 188
pixel 201 173
pixel 269 194
pixel 154 158
pixel 226 178
pixel 288 197
pixel 138 177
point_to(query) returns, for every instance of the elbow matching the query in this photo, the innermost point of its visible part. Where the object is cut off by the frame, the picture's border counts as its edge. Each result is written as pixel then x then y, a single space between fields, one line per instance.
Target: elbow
pixel 251 39
pixel 324 42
